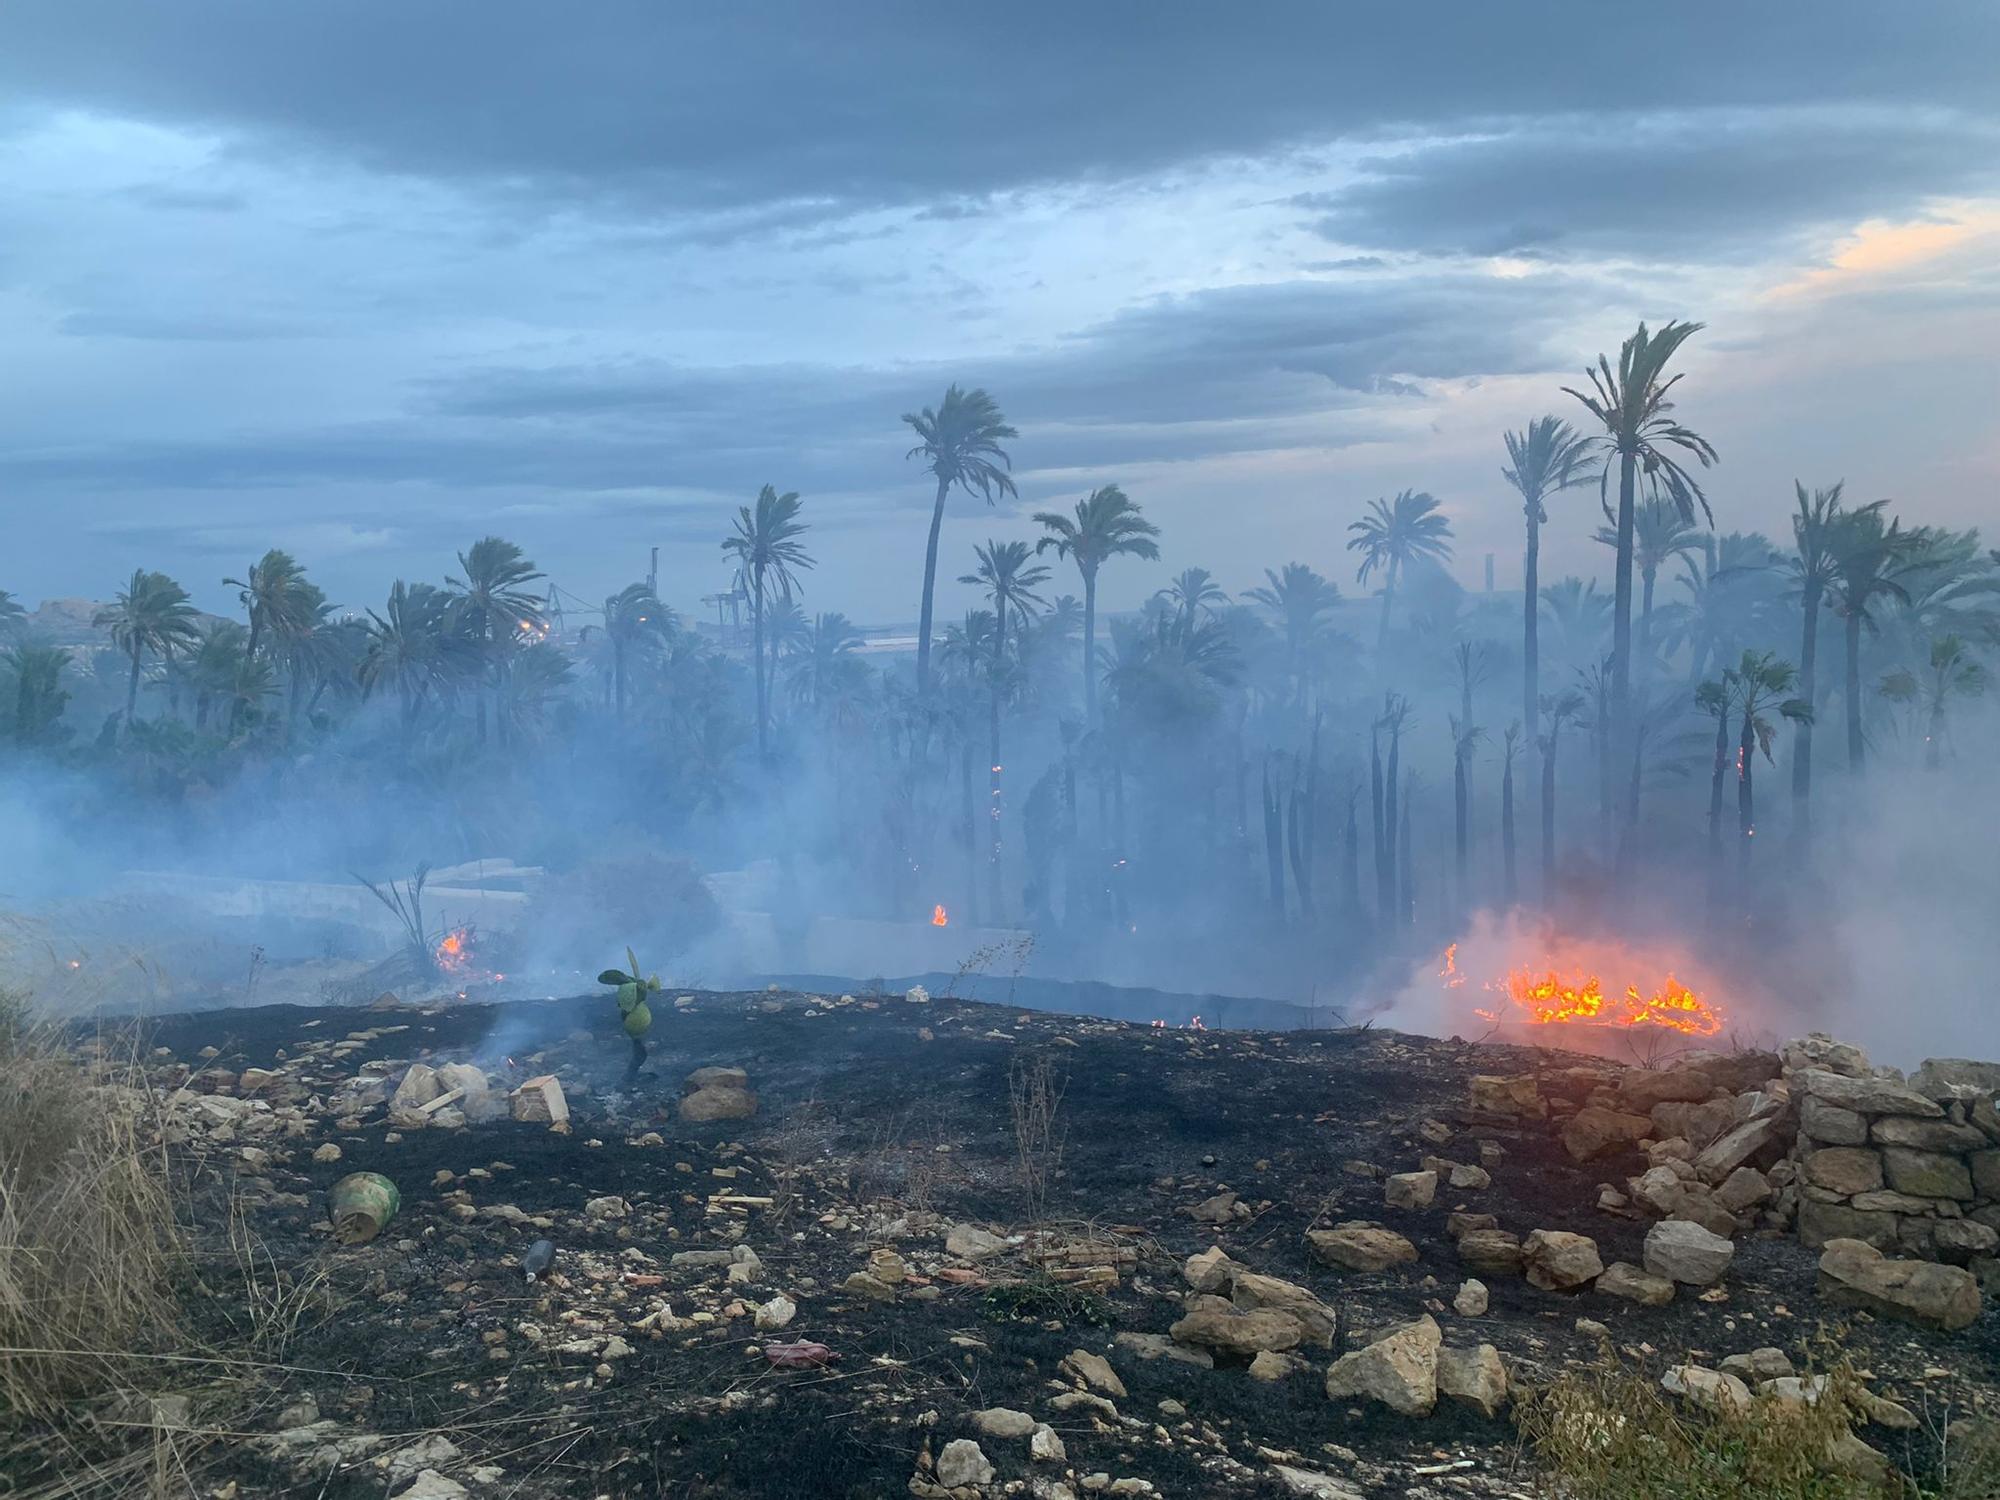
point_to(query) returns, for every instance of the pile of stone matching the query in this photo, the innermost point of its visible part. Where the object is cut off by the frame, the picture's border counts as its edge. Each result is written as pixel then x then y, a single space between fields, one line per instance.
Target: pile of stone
pixel 1911 1166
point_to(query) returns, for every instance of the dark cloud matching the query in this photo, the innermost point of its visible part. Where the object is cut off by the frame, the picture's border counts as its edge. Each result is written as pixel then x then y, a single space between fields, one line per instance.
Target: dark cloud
pixel 1707 186
pixel 899 102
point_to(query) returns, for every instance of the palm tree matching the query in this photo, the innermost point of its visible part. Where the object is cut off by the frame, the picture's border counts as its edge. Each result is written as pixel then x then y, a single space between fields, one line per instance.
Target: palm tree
pixel 1760 681
pixel 39 696
pixel 1465 737
pixel 767 549
pixel 1545 459
pixel 1106 524
pixel 212 669
pixel 1638 434
pixel 826 675
pixel 150 614
pixel 1391 535
pixel 1193 591
pixel 12 615
pixel 412 647
pixel 968 654
pixel 273 590
pixel 1507 840
pixel 1299 597
pixel 1869 557
pixel 1557 710
pixel 1953 672
pixel 959 443
pixel 1660 533
pixel 1009 578
pixel 496 609
pixel 1579 615
pixel 1817 524
pixel 635 621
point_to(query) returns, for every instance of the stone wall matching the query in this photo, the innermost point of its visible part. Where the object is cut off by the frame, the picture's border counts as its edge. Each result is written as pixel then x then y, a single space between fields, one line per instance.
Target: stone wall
pixel 1911 1166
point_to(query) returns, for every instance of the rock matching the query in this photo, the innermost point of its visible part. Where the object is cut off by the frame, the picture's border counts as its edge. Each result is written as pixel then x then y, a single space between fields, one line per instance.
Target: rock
pixel 1687 1253
pixel 1958 1240
pixel 540 1101
pixel 1253 1292
pixel 1623 1279
pixel 1410 1189
pixel 1928 1135
pixel 1398 1370
pixel 1357 1246
pixel 1698 1124
pixel 1593 1132
pixel 1888 1201
pixel 1938 1078
pixel 1758 1365
pixel 427 1452
pixel 1854 1274
pixel 1270 1365
pixel 776 1313
pixel 1708 1389
pixel 962 1462
pixel 1830 1124
pixel 1867 1096
pixel 1221 1209
pixel 419 1086
pixel 1518 1095
pixel 1308 1484
pixel 1927 1174
pixel 1489 1252
pixel 327 1153
pixel 1210 1271
pixel 1211 1323
pixel 1818 1050
pixel 1743 1190
pixel 887 1267
pixel 1985 1167
pixel 1159 1346
pixel 1643 1088
pixel 431 1485
pixel 607 1208
pixel 1739 1145
pixel 1471 1300
pixel 1044 1447
pixel 718 1103
pixel 862 1285
pixel 1883 1412
pixel 916 994
pixel 1556 1260
pixel 1847 1454
pixel 970 1242
pixel 1846 1170
pixel 1474 1378
pixel 715 1078
pixel 1469 1179
pixel 1458 1224
pixel 1822 1223
pixel 1095 1371
pixel 1003 1422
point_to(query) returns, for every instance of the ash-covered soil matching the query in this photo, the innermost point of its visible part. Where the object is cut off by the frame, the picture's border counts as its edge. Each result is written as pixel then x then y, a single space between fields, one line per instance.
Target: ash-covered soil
pixel 880 1125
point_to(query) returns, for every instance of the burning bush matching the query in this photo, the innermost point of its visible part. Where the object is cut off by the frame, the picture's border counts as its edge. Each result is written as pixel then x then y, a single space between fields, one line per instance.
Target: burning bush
pixel 648 900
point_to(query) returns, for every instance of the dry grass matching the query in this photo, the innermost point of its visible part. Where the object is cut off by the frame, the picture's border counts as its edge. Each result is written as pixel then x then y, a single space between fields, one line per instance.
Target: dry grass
pixel 89 1239
pixel 1034 1101
pixel 1610 1432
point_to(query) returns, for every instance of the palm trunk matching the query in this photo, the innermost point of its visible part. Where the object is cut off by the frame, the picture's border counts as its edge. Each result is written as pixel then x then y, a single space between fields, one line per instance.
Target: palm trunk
pixel 1384 897
pixel 993 809
pixel 1351 859
pixel 1855 751
pixel 1507 852
pixel 1646 579
pixel 1382 627
pixel 1549 817
pixel 132 687
pixel 930 585
pixel 1274 846
pixel 1746 797
pixel 1395 759
pixel 618 677
pixel 1405 868
pixel 1802 739
pixel 1715 786
pixel 1089 647
pixel 1461 797
pixel 1621 620
pixel 757 657
pixel 971 834
pixel 1531 635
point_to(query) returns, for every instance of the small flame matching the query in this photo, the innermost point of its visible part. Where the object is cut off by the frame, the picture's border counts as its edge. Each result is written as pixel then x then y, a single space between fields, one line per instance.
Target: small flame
pixel 939 916
pixel 453 953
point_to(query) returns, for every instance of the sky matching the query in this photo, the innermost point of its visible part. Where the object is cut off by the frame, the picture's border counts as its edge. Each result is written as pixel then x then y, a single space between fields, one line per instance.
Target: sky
pixel 368 280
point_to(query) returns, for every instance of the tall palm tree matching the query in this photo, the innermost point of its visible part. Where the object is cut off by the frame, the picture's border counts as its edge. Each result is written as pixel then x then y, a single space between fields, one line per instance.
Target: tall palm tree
pixel 1393 534
pixel 1507 839
pixel 1638 435
pixel 635 621
pixel 1106 524
pixel 496 609
pixel 1193 591
pixel 1758 683
pixel 1545 459
pixel 1010 578
pixel 1817 523
pixel 411 649
pixel 1952 672
pixel 211 669
pixel 825 674
pixel 273 590
pixel 970 657
pixel 151 614
pixel 959 443
pixel 1660 533
pixel 767 549
pixel 1300 598
pixel 1869 557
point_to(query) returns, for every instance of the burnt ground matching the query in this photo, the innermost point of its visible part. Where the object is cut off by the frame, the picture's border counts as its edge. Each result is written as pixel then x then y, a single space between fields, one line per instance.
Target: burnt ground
pixel 880 1123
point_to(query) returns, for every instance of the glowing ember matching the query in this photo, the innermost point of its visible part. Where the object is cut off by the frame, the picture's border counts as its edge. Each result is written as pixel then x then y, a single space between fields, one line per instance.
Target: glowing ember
pixel 1550 996
pixel 453 953
pixel 939 917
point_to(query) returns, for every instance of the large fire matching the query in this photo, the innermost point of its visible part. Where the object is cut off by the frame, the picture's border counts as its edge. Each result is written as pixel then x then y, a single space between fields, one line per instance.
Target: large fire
pixel 1561 994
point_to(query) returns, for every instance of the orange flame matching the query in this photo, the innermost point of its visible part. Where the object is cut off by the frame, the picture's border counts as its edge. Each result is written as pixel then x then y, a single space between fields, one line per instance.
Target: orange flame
pixel 454 950
pixel 939 917
pixel 1546 996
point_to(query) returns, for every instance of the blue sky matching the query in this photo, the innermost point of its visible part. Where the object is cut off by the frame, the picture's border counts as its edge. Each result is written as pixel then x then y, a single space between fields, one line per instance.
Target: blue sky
pixel 369 280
